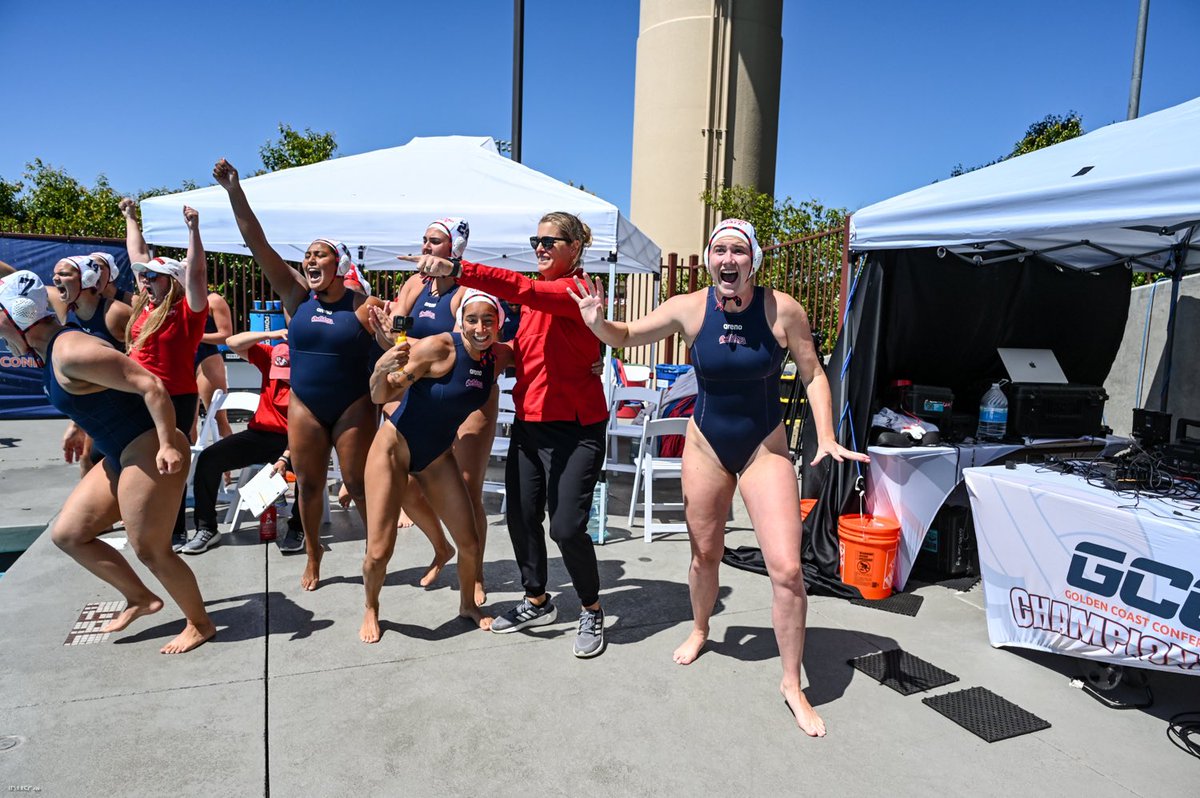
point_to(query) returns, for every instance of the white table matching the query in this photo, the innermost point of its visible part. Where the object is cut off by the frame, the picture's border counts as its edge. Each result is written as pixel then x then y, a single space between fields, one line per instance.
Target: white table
pixel 1076 569
pixel 910 484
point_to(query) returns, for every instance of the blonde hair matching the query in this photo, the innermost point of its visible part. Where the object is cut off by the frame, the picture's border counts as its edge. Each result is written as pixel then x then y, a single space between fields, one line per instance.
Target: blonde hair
pixel 572 227
pixel 156 318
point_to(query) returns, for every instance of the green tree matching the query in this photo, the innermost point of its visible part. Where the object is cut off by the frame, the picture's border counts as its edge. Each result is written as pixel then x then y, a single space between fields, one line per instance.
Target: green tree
pixel 1048 131
pixel 296 149
pixel 49 201
pixel 775 221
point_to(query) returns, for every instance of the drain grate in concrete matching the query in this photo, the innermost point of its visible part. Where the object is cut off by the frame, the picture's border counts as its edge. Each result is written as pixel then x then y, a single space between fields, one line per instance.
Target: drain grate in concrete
pixel 92 619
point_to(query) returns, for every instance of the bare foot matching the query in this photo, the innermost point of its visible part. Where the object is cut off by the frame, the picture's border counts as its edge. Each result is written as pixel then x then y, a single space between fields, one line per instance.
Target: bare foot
pixel 481 618
pixel 369 631
pixel 149 606
pixel 690 649
pixel 404 521
pixel 480 594
pixel 189 638
pixel 312 575
pixel 440 558
pixel 806 717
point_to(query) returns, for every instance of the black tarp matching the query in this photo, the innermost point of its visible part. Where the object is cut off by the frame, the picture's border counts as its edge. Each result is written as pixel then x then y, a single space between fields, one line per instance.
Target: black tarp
pixel 938 321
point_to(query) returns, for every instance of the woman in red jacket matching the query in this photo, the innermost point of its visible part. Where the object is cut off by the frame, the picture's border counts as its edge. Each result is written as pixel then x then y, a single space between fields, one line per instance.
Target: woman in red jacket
pixel 557 447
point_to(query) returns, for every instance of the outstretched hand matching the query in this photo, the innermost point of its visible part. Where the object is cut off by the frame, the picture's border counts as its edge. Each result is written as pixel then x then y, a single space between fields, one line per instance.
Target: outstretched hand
pixel 590 300
pixel 191 217
pixel 429 265
pixel 837 452
pixel 225 175
pixel 128 208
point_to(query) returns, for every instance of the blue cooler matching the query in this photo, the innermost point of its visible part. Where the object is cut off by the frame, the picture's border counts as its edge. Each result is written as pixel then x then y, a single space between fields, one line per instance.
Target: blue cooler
pixel 665 374
pixel 266 316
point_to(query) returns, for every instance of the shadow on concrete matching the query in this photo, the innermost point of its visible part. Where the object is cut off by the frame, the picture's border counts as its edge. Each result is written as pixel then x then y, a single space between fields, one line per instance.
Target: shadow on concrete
pixel 244 621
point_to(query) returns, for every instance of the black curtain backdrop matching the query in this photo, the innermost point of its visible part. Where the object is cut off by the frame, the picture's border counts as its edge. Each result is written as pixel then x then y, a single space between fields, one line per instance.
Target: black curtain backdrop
pixel 938 321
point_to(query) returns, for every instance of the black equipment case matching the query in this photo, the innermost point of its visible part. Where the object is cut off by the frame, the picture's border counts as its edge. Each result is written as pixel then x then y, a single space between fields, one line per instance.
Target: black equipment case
pixel 1049 410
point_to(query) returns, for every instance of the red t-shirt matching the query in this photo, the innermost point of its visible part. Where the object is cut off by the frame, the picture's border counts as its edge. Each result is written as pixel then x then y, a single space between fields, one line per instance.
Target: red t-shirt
pixel 271 414
pixel 554 349
pixel 170 354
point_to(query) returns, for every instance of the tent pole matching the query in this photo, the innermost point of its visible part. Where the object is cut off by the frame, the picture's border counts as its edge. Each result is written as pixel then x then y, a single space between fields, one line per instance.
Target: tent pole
pixel 602 510
pixel 1177 255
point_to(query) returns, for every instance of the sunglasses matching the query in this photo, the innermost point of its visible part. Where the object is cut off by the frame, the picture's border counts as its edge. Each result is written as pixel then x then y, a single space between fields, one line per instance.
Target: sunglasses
pixel 149 275
pixel 546 242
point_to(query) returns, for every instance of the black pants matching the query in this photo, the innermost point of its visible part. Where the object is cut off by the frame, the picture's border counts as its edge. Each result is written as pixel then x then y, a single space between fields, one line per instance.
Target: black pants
pixel 555 465
pixel 242 449
pixel 185 410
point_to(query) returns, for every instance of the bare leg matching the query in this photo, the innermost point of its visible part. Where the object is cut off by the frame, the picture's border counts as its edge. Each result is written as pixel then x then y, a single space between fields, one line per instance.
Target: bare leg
pixel 472 449
pixel 149 520
pixel 769 490
pixel 428 522
pixel 352 437
pixel 90 510
pixel 309 443
pixel 442 482
pixel 708 491
pixel 385 480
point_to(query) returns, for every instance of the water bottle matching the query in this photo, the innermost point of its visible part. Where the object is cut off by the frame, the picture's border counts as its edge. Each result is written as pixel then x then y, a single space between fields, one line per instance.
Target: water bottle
pixel 593 524
pixel 266 524
pixel 993 415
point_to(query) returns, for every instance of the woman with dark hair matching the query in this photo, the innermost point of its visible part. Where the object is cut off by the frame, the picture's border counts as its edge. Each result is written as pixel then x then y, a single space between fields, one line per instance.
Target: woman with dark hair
pixel 557 443
pixel 129 414
pixel 332 351
pixel 441 380
pixel 166 324
pixel 738 334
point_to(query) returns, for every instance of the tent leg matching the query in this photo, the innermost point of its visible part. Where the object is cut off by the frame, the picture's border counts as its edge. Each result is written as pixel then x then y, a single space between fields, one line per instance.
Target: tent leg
pixel 1177 259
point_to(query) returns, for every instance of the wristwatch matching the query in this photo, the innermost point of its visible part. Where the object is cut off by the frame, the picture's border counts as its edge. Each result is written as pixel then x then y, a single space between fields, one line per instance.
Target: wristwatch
pixel 455 266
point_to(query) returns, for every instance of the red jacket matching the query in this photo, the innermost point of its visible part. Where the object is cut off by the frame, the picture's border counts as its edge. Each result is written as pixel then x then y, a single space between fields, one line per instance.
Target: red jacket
pixel 554 349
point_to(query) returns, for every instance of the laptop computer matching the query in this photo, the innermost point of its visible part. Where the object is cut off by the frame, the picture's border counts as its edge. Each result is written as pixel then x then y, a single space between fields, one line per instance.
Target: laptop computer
pixel 1032 365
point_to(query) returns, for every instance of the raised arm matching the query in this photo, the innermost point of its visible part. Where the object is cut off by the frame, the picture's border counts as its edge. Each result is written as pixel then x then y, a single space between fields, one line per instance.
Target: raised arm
pixel 218 308
pixel 5 269
pixel 548 296
pixel 89 360
pixel 135 244
pixel 196 285
pixel 666 319
pixel 400 367
pixel 816 384
pixel 285 282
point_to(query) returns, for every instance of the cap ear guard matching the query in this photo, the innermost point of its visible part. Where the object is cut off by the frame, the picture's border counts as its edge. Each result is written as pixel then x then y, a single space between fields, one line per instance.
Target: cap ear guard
pixel 458 230
pixel 345 260
pixel 89 270
pixel 23 298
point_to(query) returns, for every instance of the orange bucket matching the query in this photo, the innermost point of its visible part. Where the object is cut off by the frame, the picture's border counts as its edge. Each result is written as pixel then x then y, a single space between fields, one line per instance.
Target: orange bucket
pixel 806 507
pixel 867 553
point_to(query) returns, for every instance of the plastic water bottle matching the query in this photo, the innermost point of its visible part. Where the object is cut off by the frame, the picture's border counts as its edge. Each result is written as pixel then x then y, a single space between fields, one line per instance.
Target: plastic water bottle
pixel 593 524
pixel 993 415
pixel 266 524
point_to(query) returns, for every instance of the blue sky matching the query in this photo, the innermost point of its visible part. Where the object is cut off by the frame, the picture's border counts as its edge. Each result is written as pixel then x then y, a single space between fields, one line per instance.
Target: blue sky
pixel 878 97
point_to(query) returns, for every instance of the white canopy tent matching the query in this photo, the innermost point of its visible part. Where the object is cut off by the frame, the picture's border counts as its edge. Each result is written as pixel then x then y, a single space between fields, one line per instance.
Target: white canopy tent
pixel 379 203
pixel 1126 192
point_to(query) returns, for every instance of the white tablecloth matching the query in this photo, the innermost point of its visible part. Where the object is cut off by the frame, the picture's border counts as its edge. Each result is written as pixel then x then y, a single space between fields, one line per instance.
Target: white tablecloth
pixel 1076 569
pixel 909 485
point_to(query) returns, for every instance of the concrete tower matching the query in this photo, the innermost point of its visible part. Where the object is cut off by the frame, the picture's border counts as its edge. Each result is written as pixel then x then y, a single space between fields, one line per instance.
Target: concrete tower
pixel 706 111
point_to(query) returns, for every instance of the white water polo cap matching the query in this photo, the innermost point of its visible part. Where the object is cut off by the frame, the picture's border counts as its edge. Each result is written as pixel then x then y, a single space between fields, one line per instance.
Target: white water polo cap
pixel 458 230
pixel 475 295
pixel 89 270
pixel 23 297
pixel 741 229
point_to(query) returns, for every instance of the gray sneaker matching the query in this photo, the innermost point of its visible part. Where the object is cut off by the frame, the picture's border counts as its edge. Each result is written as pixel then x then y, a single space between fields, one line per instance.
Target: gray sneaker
pixel 590 640
pixel 525 614
pixel 178 541
pixel 202 541
pixel 292 541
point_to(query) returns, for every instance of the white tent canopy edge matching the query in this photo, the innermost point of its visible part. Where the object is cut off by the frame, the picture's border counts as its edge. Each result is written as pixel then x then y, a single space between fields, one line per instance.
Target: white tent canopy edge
pixel 1128 192
pixel 379 203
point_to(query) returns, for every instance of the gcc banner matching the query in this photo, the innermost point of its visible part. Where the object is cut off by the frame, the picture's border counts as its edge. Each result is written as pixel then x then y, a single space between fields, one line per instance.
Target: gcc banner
pixel 20 377
pixel 1077 569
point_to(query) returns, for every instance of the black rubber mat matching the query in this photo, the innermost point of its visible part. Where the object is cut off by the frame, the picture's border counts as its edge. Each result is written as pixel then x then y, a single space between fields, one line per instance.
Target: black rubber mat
pixel 960 585
pixel 985 714
pixel 899 603
pixel 902 672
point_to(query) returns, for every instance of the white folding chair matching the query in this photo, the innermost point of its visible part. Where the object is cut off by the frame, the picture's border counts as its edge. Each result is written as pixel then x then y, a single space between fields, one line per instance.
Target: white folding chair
pixel 247 402
pixel 652 467
pixel 206 435
pixel 629 428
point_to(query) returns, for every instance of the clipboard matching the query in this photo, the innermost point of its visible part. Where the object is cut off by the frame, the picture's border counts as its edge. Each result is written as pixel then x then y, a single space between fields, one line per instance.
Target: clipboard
pixel 263 490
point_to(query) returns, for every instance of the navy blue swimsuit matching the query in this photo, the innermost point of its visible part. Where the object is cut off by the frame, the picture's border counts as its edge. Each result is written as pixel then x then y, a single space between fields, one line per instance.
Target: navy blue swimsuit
pixel 96 325
pixel 431 314
pixel 113 418
pixel 331 357
pixel 204 351
pixel 434 409
pixel 737 362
